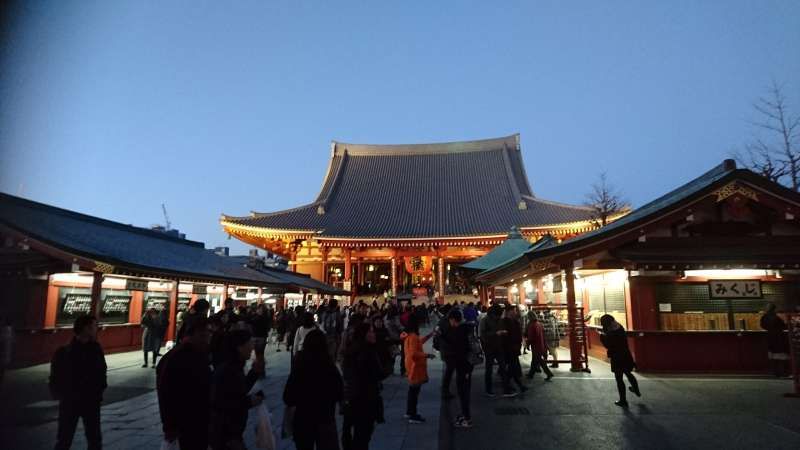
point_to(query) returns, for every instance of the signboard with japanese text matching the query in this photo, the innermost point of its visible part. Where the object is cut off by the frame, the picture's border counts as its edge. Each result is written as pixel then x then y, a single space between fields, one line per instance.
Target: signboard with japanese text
pixel 734 289
pixel 133 284
pixel 76 304
pixel 157 302
pixel 116 304
pixel 115 308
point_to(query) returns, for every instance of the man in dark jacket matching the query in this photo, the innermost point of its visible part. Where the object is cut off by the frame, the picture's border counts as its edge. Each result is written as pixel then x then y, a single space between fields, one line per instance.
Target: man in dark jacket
pixel 442 329
pixel 457 342
pixel 332 323
pixel 512 342
pixel 183 384
pixel 77 380
pixel 362 377
pixel 491 335
pixel 230 401
pixel 260 323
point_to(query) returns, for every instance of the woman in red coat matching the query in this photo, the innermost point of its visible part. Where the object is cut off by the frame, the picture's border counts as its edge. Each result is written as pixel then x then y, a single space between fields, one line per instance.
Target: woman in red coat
pixel 538 348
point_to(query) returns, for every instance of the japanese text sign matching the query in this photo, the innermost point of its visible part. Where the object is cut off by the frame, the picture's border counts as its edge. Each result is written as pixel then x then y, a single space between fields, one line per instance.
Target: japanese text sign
pixel 734 288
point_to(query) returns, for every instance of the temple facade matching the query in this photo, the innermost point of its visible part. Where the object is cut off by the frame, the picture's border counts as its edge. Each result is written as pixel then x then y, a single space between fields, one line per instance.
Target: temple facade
pixel 402 219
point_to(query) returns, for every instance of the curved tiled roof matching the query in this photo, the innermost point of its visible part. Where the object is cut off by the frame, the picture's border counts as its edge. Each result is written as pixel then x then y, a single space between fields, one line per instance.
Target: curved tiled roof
pixel 473 188
pixel 134 248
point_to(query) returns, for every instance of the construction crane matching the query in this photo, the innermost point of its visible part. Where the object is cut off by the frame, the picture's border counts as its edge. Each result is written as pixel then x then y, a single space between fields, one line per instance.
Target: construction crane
pixel 166 216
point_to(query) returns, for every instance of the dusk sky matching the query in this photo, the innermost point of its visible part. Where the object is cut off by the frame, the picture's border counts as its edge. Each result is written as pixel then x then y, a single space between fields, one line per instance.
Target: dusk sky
pixel 113 108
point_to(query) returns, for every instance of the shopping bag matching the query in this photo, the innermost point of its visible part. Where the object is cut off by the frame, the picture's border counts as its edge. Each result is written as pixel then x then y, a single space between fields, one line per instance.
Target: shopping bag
pixel 167 445
pixel 264 437
pixel 288 422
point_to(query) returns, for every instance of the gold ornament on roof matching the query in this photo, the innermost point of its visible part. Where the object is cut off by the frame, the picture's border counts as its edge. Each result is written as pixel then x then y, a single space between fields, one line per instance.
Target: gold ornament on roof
pixel 103 267
pixel 734 188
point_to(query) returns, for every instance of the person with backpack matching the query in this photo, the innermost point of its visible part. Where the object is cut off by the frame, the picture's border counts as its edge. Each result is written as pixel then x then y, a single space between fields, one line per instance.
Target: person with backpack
pixel 461 354
pixel 416 367
pixel 552 335
pixel 77 381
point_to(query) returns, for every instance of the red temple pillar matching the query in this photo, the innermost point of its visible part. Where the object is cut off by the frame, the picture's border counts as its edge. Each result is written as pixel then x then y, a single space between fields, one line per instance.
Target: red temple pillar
pixel 97 286
pixel 483 295
pixel 324 252
pixel 359 276
pixel 348 272
pixel 394 273
pixel 574 345
pixel 441 267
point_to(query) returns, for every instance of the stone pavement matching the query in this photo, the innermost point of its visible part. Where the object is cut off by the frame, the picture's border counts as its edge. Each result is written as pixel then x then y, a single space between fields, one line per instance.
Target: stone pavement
pixel 573 411
pixel 576 411
pixel 134 423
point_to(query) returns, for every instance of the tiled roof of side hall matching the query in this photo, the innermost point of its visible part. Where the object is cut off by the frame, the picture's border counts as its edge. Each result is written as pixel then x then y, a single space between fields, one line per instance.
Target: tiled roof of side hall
pixel 137 249
pixel 715 178
pixel 514 246
pixel 473 188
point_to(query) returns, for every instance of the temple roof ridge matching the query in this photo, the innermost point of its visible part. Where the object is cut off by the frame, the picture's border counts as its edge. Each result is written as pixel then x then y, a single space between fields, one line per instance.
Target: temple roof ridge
pixel 555 203
pixel 477 145
pixel 453 189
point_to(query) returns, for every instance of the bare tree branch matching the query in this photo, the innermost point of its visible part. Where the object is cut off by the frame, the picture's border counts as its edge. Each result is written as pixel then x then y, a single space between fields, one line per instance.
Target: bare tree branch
pixel 605 201
pixel 776 153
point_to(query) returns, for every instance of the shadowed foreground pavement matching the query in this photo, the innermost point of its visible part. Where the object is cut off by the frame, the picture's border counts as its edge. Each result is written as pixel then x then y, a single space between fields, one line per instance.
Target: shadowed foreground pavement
pixel 130 419
pixel 574 411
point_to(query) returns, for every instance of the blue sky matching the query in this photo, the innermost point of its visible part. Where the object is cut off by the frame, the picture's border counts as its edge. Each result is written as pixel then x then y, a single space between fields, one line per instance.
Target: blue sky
pixel 112 108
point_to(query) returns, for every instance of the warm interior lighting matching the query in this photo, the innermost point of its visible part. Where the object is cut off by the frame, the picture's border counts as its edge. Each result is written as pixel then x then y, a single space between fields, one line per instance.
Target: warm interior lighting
pixel 528 285
pixel 71 278
pixel 729 273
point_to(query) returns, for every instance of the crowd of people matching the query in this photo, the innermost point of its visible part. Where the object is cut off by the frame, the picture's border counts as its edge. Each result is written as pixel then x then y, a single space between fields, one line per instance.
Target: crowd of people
pixel 340 358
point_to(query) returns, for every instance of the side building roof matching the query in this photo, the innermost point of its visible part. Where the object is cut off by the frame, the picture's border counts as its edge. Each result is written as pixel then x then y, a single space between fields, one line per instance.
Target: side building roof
pixel 697 188
pixel 512 248
pixel 134 250
pixel 472 188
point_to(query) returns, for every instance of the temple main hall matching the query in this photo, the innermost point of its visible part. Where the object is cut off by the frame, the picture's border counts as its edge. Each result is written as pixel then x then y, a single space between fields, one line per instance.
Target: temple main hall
pixel 401 219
